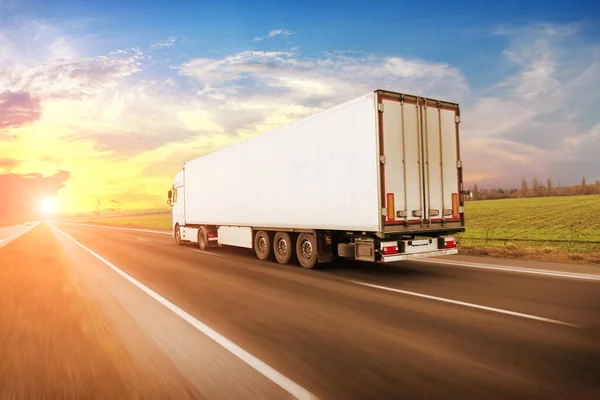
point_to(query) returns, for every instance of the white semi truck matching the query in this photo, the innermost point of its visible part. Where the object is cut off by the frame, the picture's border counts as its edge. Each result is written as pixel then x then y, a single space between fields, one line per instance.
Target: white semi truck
pixel 378 179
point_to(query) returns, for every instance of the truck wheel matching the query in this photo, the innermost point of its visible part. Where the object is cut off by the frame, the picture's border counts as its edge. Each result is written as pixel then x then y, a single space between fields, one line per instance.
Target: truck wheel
pixel 178 235
pixel 306 250
pixel 262 245
pixel 283 247
pixel 202 239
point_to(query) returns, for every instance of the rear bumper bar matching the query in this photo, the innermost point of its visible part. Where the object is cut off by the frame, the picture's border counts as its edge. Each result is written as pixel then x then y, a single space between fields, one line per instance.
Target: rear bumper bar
pixel 413 256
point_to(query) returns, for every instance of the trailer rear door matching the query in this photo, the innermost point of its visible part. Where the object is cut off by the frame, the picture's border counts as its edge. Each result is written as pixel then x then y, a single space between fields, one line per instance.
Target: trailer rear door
pixel 420 171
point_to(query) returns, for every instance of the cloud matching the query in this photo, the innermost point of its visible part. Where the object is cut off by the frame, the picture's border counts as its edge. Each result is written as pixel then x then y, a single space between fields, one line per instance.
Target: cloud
pixel 537 30
pixel 251 92
pixel 274 33
pixel 17 109
pixel 168 42
pixel 79 78
pixel 541 121
pixel 8 163
pixel 44 61
pixel 324 79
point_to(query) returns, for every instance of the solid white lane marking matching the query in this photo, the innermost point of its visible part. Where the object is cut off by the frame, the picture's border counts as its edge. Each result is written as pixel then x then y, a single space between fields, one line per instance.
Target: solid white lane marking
pixel 574 275
pixel 121 228
pixel 471 305
pixel 206 252
pixel 5 241
pixel 275 376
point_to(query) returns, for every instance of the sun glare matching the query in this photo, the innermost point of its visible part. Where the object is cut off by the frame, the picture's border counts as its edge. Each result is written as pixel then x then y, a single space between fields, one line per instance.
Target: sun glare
pixel 48 206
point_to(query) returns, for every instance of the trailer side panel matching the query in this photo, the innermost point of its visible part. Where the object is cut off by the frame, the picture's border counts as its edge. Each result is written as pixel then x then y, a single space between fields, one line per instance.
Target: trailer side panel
pixel 320 172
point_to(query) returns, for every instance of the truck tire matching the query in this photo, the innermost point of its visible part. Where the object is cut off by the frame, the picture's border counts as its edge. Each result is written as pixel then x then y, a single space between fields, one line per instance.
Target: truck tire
pixel 306 250
pixel 262 245
pixel 202 239
pixel 177 233
pixel 283 247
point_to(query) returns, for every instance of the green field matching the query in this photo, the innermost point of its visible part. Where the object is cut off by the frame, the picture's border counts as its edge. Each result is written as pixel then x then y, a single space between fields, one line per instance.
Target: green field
pixel 545 228
pixel 523 228
pixel 572 218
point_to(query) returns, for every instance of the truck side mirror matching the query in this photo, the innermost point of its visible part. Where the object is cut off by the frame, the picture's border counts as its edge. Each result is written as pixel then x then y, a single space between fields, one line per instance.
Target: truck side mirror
pixel 170 194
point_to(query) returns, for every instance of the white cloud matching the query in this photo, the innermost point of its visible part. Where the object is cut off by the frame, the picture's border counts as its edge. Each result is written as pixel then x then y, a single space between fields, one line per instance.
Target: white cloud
pixel 325 79
pixel 251 92
pixel 541 121
pixel 274 33
pixel 168 42
pixel 40 59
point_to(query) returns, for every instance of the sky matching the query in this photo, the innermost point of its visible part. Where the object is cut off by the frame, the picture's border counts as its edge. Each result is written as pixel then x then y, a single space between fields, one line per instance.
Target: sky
pixel 105 100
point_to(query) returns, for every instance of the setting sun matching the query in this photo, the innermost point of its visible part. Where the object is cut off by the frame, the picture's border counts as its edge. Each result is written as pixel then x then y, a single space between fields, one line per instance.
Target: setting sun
pixel 48 206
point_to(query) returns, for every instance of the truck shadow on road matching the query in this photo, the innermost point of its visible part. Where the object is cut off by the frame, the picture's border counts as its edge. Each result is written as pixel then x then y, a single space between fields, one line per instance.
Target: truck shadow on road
pixel 341 268
pixel 401 269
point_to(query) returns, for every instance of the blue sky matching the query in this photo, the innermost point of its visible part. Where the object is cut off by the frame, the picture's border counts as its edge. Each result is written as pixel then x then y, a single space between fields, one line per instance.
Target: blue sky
pixel 141 86
pixel 461 33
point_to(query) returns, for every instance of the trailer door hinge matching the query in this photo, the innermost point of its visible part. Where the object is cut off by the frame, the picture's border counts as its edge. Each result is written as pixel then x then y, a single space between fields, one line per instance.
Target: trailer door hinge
pixel 382 159
pixel 457 119
pixel 459 164
pixel 384 212
pixel 380 107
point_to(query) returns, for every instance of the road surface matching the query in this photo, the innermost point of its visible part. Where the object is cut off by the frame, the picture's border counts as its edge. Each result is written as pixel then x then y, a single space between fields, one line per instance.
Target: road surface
pixel 92 312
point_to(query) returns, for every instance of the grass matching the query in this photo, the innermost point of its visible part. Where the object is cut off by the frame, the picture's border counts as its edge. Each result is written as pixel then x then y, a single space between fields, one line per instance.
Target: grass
pixel 528 224
pixel 526 228
pixel 573 218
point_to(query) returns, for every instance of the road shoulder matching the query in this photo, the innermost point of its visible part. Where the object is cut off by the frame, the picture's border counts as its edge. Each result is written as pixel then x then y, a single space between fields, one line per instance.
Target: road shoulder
pixel 523 264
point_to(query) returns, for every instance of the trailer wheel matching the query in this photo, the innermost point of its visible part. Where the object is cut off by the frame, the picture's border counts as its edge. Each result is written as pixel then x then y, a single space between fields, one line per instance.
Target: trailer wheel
pixel 306 250
pixel 262 245
pixel 202 239
pixel 178 235
pixel 283 247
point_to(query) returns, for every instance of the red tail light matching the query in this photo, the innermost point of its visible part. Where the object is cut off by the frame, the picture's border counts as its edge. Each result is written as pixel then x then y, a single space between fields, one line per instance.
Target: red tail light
pixel 212 235
pixel 450 244
pixel 390 250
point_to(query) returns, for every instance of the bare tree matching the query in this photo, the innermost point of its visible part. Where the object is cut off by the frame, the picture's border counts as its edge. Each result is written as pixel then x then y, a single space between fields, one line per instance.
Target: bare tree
pixel 549 186
pixel 524 187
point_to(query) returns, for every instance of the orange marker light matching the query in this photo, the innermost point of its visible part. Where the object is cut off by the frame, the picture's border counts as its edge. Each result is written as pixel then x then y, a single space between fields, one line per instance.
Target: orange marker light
pixel 455 205
pixel 391 208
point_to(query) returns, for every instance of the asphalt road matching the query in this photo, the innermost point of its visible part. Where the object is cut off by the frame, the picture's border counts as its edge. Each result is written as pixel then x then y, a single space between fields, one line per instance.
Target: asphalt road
pixel 92 312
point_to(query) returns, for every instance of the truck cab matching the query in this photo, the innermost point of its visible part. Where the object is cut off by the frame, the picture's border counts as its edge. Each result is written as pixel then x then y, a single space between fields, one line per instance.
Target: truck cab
pixel 176 201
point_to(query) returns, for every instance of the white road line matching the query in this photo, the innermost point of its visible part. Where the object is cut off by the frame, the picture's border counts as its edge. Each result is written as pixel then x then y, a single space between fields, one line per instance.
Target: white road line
pixel 589 277
pixel 5 241
pixel 462 303
pixel 285 383
pixel 142 240
pixel 121 228
pixel 206 252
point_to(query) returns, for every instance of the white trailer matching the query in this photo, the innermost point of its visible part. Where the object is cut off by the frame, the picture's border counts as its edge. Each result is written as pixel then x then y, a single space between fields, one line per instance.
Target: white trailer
pixel 378 178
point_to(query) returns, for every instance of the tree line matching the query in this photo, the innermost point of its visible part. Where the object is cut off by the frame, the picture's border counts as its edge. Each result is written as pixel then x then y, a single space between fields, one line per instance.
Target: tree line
pixel 537 189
